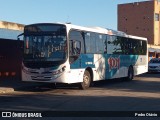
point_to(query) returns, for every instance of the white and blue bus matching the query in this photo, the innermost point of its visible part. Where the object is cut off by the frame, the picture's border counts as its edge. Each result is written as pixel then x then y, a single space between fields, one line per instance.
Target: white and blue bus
pixel 66 53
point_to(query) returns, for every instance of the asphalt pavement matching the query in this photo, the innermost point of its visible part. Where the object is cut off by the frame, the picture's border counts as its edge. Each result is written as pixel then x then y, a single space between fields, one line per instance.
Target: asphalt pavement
pixel 11 84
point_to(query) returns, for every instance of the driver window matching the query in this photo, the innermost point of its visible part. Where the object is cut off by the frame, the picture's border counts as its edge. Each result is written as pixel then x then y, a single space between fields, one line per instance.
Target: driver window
pixel 76 42
pixel 75 47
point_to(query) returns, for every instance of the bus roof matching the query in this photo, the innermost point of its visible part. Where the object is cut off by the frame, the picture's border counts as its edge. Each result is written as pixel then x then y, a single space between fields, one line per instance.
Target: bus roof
pixel 98 30
pixel 105 31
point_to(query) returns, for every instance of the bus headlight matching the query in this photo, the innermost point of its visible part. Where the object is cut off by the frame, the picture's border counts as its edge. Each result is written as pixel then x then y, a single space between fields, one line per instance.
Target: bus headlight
pixel 59 71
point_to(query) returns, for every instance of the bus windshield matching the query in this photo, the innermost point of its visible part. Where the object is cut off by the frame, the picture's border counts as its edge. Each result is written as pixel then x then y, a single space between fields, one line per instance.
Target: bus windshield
pixel 45 42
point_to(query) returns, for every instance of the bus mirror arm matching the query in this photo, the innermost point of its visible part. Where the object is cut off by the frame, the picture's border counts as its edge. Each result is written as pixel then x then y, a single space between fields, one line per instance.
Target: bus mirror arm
pixel 19 36
pixel 19 42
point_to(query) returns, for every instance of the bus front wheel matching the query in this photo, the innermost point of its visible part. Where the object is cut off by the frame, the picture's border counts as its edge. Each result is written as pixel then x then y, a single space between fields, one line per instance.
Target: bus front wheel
pixel 86 80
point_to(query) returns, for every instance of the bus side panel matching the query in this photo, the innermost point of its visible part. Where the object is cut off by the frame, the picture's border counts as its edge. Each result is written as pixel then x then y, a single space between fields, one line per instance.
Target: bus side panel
pixel 112 66
pixel 117 65
pixel 84 61
pixel 78 67
pixel 141 66
pixel 100 67
pixel 105 66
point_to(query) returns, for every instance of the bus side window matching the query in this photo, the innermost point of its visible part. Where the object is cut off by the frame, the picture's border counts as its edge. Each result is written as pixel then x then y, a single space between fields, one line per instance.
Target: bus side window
pixel 87 42
pixel 99 44
pixel 110 45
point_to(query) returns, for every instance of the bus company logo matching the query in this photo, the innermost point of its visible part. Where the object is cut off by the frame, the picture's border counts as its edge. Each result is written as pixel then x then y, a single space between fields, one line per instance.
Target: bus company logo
pixel 6 114
pixel 114 63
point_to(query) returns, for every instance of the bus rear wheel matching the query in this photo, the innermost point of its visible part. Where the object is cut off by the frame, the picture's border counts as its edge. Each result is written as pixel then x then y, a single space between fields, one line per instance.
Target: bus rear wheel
pixel 86 80
pixel 130 74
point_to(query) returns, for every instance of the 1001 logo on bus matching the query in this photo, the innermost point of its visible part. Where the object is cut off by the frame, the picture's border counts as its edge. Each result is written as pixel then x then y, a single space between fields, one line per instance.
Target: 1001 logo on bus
pixel 114 63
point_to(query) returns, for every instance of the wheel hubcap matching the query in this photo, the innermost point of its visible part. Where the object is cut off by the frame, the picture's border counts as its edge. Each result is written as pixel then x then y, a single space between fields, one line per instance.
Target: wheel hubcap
pixel 86 80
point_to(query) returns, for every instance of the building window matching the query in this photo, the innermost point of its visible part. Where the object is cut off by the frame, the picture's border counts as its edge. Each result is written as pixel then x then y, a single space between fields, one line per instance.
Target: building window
pixel 156 17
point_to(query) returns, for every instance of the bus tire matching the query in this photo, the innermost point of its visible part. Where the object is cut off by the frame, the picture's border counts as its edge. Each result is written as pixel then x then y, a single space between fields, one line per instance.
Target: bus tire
pixel 130 73
pixel 86 80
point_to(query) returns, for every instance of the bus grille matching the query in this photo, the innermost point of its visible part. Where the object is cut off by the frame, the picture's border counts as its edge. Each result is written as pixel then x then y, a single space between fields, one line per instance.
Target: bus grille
pixel 41 78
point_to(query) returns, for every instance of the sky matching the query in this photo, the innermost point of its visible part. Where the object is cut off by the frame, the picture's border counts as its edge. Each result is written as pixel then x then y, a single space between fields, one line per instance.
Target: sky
pixel 102 13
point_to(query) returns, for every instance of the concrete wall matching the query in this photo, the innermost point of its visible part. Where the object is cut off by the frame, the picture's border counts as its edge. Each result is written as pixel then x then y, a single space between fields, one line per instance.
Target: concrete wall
pixel 12 26
pixel 10 30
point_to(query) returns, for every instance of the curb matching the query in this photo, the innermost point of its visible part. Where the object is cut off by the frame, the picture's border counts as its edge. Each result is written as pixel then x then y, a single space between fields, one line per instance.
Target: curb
pixel 6 90
pixel 12 85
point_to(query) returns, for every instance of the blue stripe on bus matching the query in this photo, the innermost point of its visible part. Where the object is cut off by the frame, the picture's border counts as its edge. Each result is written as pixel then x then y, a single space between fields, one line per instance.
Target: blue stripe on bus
pixel 112 62
pixel 83 61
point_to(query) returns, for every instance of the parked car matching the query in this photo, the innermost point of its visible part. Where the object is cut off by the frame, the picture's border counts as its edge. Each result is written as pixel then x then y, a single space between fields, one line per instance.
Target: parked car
pixel 154 65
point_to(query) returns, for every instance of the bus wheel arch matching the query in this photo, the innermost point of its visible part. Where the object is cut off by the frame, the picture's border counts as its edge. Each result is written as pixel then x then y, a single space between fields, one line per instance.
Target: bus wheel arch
pixel 87 79
pixel 130 73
